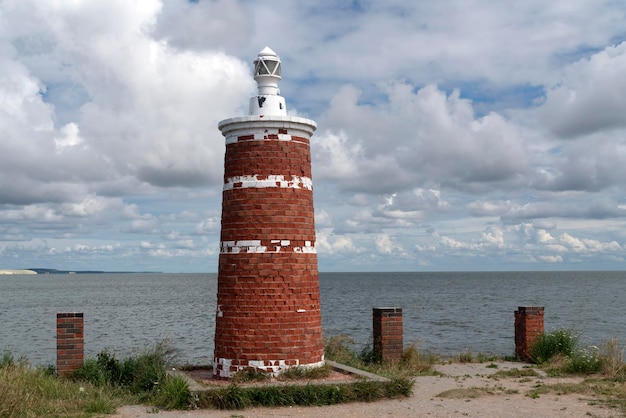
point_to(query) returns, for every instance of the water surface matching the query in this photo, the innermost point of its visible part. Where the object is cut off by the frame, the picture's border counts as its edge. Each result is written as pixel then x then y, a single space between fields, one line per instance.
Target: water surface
pixel 443 312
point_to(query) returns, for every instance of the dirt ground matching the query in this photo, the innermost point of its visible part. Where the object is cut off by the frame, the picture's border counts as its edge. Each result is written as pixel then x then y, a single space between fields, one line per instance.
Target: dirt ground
pixel 504 397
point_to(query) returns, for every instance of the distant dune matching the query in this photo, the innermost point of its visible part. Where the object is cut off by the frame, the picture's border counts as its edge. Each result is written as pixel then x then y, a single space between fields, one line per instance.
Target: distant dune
pixel 17 271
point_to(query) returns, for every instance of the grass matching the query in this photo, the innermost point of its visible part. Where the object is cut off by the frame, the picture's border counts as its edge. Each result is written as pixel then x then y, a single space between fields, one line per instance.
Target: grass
pixel 514 373
pixel 174 394
pixel 559 352
pixel 142 374
pixel 106 382
pixel 475 392
pixel 413 363
pixel 303 373
pixel 468 357
pixel 99 387
pixel 561 342
pixel 236 397
pixel 339 349
pixel 33 392
pixel 603 367
pixel 605 391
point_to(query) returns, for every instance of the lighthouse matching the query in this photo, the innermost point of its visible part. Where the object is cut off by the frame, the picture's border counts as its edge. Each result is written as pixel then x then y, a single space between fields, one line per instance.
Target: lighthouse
pixel 268 313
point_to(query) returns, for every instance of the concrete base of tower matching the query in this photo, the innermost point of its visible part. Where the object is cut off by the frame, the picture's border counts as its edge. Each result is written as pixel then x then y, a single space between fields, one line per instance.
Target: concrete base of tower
pixel 227 368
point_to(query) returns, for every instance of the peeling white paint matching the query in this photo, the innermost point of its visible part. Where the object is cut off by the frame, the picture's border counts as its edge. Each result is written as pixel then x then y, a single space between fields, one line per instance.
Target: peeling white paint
pixel 247 246
pixel 256 246
pixel 273 367
pixel 307 249
pixel 254 181
pixel 231 139
pixel 249 243
pixel 258 127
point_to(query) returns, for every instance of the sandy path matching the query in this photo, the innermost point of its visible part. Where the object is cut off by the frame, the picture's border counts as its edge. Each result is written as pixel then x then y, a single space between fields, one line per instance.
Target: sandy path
pixel 425 403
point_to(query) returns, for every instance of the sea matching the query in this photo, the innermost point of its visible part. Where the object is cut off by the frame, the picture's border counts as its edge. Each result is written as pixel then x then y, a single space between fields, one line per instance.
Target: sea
pixel 444 313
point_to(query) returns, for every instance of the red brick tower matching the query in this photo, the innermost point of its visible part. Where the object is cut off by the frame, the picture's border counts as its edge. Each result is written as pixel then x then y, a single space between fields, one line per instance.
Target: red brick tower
pixel 268 304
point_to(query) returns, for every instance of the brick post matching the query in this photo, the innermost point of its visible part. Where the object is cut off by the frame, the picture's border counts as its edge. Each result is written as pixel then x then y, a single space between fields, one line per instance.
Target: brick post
pixel 528 326
pixel 70 342
pixel 388 345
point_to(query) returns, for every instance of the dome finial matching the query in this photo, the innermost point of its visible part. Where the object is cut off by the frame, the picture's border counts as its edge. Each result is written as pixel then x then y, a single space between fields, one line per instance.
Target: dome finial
pixel 267 70
pixel 267 74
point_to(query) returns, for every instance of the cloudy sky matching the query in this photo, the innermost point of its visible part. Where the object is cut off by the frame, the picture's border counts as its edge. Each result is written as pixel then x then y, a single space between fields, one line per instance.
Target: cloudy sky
pixel 452 135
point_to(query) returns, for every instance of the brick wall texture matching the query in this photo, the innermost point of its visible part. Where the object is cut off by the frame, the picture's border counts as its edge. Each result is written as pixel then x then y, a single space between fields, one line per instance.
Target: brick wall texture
pixel 387 330
pixel 268 303
pixel 528 326
pixel 70 342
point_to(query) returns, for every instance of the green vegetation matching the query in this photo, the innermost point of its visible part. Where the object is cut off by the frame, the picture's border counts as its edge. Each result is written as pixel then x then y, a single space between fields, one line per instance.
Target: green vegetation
pixel 558 353
pixel 99 387
pixel 413 362
pixel 475 392
pixel 514 373
pixel 339 349
pixel 141 374
pixel 304 373
pixel 174 393
pixel 468 357
pixel 236 397
pixel 560 342
pixel 36 392
pixel 106 382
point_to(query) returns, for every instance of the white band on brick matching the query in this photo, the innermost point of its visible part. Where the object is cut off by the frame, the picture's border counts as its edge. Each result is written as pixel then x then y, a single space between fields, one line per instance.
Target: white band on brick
pixel 222 366
pixel 255 181
pixel 231 139
pixel 276 246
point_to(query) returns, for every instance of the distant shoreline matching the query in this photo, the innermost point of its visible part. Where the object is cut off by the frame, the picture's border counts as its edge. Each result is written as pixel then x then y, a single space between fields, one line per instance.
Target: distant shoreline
pixel 55 271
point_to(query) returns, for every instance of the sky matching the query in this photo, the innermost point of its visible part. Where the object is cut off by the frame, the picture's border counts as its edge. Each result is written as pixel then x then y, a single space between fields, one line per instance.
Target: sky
pixel 452 135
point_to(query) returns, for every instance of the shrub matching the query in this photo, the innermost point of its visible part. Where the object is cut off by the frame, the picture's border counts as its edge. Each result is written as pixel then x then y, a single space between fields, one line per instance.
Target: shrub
pixel 369 355
pixel 339 349
pixel 412 363
pixel 415 362
pixel 466 357
pixel 251 374
pixel 236 397
pixel 34 392
pixel 559 342
pixel 295 373
pixel 138 374
pixel 173 393
pixel 583 362
pixel 612 356
pixel 8 359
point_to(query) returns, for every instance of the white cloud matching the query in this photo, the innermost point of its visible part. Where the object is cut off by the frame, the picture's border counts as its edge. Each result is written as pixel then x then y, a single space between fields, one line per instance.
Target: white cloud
pixel 70 137
pixel 417 138
pixel 91 206
pixel 551 258
pixel 205 25
pixel 146 110
pixel 386 245
pixel 591 96
pixel 477 135
pixel 330 243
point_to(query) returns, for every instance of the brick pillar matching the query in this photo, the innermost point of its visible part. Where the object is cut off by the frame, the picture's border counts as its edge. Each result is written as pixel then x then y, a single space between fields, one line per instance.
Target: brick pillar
pixel 528 326
pixel 70 342
pixel 388 345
